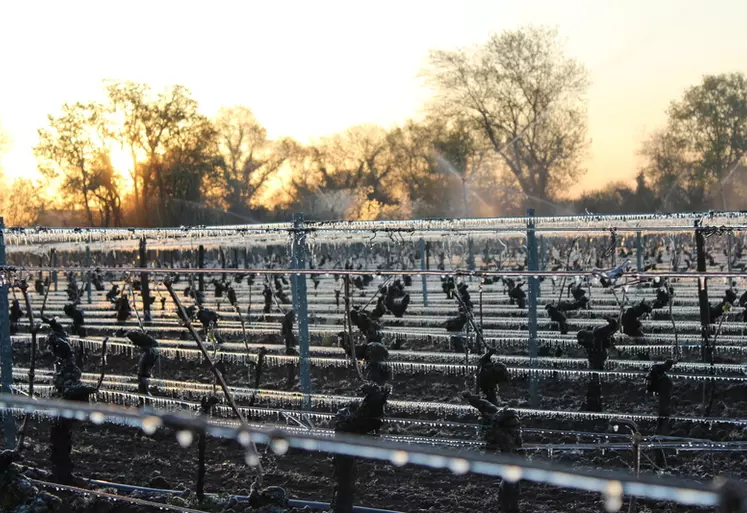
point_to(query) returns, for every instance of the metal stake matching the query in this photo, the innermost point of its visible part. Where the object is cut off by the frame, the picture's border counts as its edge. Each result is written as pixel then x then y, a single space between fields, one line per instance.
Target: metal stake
pixel 300 305
pixel 423 267
pixel 532 265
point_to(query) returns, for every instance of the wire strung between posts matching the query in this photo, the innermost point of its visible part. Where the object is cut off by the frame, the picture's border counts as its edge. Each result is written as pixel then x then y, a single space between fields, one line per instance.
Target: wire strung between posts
pixel 409 367
pixel 283 399
pixel 612 484
pixel 124 347
pixel 500 325
pixel 683 221
pixel 653 442
pixel 643 275
pixel 657 344
pixel 164 384
pixel 114 497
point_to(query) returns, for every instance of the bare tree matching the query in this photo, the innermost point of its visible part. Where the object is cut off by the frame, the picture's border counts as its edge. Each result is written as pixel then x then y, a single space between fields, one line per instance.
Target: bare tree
pixel 23 203
pixel 69 148
pixel 247 158
pixel 104 186
pixel 127 107
pixel 458 153
pixel 692 159
pixel 155 125
pixel 411 147
pixel 525 98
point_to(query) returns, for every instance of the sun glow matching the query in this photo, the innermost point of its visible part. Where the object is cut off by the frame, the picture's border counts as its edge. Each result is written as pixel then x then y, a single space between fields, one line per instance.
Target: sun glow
pixel 121 160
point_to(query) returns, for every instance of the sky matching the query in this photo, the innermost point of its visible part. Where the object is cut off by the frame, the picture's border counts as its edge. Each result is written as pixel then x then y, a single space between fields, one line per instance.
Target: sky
pixel 312 68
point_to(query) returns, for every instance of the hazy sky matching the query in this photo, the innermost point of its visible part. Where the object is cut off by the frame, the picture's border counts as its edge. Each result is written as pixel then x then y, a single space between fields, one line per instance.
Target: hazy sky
pixel 310 68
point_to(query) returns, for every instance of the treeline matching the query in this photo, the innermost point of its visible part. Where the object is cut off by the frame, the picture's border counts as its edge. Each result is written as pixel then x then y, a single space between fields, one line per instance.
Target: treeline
pixel 187 169
pixel 506 129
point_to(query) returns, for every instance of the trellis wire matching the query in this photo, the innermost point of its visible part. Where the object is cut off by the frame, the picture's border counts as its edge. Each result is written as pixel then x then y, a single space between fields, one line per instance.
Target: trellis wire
pixel 611 484
pixel 123 346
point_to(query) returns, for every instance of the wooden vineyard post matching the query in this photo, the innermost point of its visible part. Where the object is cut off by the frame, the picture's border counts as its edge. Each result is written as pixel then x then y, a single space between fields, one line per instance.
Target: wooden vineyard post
pixel 222 254
pixel 532 265
pixel 6 350
pixel 144 277
pixel 201 265
pixel 638 252
pixel 423 267
pixel 53 264
pixel 705 307
pixel 470 254
pixel 731 497
pixel 300 305
pixel 543 259
pixel 88 274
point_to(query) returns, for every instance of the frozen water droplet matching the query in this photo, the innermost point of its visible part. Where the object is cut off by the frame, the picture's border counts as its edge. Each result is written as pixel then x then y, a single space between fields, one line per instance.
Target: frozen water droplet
pixel 279 446
pixel 150 425
pixel 244 438
pixel 184 438
pixel 97 417
pixel 459 466
pixel 613 504
pixel 513 474
pixel 613 496
pixel 399 458
pixel 252 458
